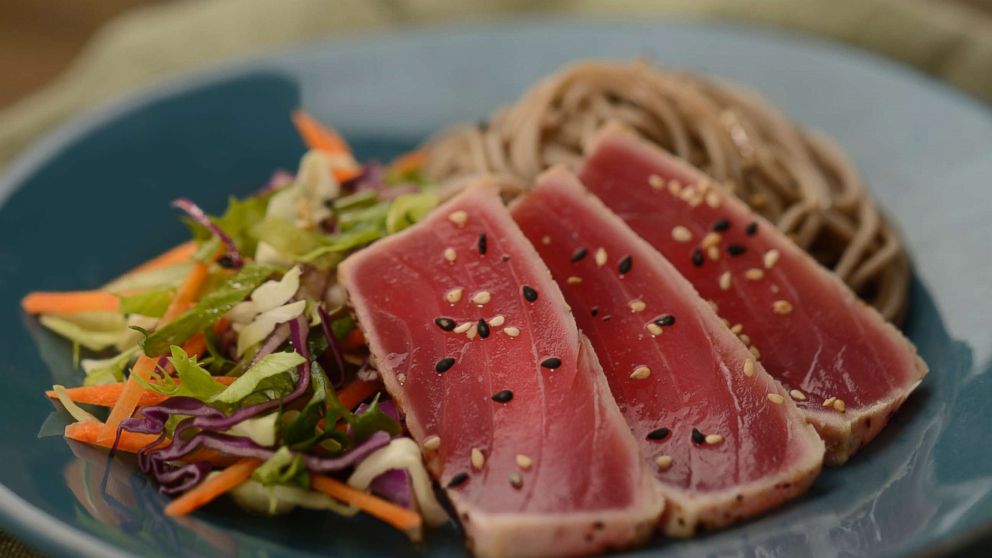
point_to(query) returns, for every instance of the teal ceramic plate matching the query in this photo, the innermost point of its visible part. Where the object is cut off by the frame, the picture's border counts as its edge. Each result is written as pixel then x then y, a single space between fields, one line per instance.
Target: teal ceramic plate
pixel 92 199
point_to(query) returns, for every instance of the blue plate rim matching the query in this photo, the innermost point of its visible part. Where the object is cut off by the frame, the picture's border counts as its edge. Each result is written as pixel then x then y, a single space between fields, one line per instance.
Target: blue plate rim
pixel 41 530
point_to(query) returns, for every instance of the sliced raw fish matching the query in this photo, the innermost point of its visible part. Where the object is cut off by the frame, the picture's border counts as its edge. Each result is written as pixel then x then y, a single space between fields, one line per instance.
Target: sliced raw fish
pixel 725 440
pixel 507 399
pixel 847 368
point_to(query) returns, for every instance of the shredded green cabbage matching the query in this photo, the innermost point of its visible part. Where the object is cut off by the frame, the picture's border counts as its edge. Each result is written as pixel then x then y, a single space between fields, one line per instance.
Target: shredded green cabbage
pixel 270 365
pixel 76 411
pixel 75 331
pixel 108 370
pixel 150 303
pixel 408 209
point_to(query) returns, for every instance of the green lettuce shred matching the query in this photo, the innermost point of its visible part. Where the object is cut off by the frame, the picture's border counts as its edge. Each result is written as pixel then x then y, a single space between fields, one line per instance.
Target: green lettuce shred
pixel 210 309
pixel 195 381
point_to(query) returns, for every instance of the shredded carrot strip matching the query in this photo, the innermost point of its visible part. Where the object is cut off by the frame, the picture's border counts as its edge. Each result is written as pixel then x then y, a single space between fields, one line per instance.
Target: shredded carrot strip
pixel 106 395
pixel 409 161
pixel 320 137
pixel 89 433
pixel 145 365
pixel 356 392
pixel 70 302
pixel 353 340
pixel 213 487
pixel 403 519
pixel 178 254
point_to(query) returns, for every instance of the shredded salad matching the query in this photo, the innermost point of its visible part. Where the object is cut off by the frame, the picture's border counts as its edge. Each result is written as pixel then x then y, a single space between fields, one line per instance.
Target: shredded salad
pixel 230 365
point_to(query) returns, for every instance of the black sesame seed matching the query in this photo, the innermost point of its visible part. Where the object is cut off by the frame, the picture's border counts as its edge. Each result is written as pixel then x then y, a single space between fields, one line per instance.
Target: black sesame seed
pixel 579 254
pixel 503 396
pixel 625 264
pixel 530 294
pixel 736 249
pixel 482 243
pixel 659 434
pixel 594 311
pixel 665 320
pixel 483 329
pixel 444 364
pixel 721 225
pixel 226 261
pixel 697 257
pixel 752 228
pixel 698 437
pixel 505 258
pixel 551 362
pixel 458 480
pixel 446 324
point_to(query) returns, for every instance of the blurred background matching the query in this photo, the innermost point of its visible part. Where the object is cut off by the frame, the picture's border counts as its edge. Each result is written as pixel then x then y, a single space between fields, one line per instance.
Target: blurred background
pixel 61 57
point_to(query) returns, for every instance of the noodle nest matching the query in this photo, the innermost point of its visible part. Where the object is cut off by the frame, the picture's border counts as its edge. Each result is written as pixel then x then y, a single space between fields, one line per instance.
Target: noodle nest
pixel 797 179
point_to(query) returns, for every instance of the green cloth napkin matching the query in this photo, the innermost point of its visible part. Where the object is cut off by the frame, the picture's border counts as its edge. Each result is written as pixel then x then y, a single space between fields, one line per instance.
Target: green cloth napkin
pixel 951 40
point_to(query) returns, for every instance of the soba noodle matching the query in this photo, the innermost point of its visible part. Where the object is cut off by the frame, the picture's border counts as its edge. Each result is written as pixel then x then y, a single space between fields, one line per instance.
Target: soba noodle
pixel 799 180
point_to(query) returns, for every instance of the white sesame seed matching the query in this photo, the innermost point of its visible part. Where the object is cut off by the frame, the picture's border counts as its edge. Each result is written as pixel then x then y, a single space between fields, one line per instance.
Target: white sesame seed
pixel 688 193
pixel 640 373
pixel 681 234
pixel 401 378
pixel 713 439
pixel 713 252
pixel 745 338
pixel 574 280
pixel 472 331
pixel 431 442
pixel 711 239
pixel 674 187
pixel 454 295
pixel 782 307
pixel 481 297
pixel 797 395
pixel 637 305
pixel 653 328
pixel 770 258
pixel 516 481
pixel 737 329
pixel 450 255
pixel 458 217
pixel 478 459
pixel 663 462
pixel 749 368
pixel 524 462
pixel 463 327
pixel 754 351
pixel 713 199
pixel 511 331
pixel 776 398
pixel 656 182
pixel 600 257
pixel 545 240
pixel 725 281
pixel 829 402
pixel 839 406
pixel 754 274
pixel 497 320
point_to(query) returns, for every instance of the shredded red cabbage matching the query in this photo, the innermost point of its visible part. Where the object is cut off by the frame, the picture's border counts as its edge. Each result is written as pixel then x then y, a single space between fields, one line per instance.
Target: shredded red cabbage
pixel 275 340
pixel 336 377
pixel 160 461
pixel 394 485
pixel 200 217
